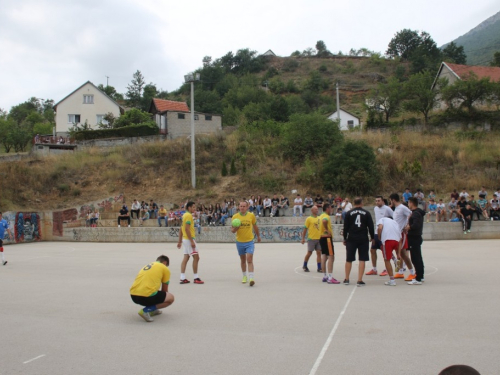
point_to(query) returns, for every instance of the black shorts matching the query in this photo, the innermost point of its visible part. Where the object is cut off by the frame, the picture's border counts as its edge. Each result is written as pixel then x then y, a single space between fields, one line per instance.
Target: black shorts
pixel 361 246
pixel 151 300
pixel 1 242
pixel 326 244
pixel 378 244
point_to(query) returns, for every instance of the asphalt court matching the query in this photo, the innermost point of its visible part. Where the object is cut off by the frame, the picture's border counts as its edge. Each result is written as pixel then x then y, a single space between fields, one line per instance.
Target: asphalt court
pixel 65 309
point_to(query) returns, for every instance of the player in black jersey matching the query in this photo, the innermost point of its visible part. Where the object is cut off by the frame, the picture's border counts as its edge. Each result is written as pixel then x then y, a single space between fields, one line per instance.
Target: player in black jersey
pixel 357 224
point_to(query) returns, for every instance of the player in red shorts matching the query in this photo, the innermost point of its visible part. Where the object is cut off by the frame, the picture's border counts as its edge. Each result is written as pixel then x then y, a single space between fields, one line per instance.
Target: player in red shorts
pixel 389 233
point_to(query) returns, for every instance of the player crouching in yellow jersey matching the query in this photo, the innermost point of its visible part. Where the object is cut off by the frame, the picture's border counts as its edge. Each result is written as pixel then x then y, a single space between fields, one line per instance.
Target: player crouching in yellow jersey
pixel 144 290
pixel 244 240
pixel 187 236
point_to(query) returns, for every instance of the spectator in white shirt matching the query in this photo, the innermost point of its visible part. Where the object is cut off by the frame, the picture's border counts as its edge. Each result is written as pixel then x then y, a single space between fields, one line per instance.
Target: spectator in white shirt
pixel 267 205
pixel 136 208
pixel 297 205
pixel 464 194
pixel 346 207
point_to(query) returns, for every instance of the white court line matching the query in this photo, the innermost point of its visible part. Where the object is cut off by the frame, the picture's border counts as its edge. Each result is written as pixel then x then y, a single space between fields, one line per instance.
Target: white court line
pixel 34 359
pixel 330 337
pixel 430 273
pixel 303 274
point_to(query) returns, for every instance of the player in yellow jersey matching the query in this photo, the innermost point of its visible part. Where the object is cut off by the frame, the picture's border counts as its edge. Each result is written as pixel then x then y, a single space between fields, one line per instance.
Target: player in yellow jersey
pixel 244 240
pixel 187 236
pixel 312 227
pixel 144 291
pixel 326 242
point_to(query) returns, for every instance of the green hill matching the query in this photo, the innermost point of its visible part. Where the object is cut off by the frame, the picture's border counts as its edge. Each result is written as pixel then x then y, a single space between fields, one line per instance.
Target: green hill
pixel 481 42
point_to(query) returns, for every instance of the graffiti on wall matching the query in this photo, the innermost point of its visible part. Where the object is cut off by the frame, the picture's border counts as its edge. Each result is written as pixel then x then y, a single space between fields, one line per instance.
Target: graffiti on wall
pixel 60 217
pixel 105 205
pixel 27 227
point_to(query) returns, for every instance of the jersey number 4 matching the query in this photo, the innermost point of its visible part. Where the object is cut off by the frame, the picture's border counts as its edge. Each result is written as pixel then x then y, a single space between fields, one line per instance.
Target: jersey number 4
pixel 358 221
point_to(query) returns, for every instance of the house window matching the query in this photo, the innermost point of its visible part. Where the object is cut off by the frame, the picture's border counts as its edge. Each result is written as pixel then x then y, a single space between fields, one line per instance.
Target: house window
pixel 196 117
pixel 88 99
pixel 350 124
pixel 208 118
pixel 181 116
pixel 100 120
pixel 73 119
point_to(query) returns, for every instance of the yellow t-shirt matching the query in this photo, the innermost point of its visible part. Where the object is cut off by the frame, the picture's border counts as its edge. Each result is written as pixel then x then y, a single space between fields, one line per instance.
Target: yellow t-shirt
pixel 313 226
pixel 162 212
pixel 149 279
pixel 325 217
pixel 245 233
pixel 187 218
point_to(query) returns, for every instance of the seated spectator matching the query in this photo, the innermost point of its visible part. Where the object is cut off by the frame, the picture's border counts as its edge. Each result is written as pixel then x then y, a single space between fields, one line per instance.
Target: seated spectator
pixel 224 216
pixel 210 214
pixel 464 193
pixel 145 216
pixel 482 204
pixel 275 206
pixel 88 220
pixel 346 207
pixel 297 205
pixel 251 204
pixel 482 192
pixel 494 207
pixel 318 201
pixel 466 216
pixel 177 217
pixel 124 215
pixel 406 195
pixel 330 200
pixel 338 214
pixel 455 195
pixel 431 195
pixel 153 209
pixel 95 218
pixel 163 215
pixel 283 205
pixel 441 211
pixel 338 201
pixel 135 209
pixel 420 197
pixel 267 205
pixel 143 211
pixel 453 208
pixel 473 203
pixel 37 138
pixel 461 203
pixel 171 218
pixel 308 203
pixel 217 213
pixel 259 205
pixel 432 211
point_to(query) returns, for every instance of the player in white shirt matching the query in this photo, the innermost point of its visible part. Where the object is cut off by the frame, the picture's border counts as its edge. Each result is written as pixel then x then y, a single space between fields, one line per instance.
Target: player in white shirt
pixel 401 216
pixel 390 234
pixel 381 210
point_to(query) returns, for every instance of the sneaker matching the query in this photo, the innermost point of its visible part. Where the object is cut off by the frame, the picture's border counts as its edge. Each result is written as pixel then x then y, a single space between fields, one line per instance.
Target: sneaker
pixel 185 281
pixel 244 280
pixel 468 230
pixel 156 312
pixel 146 316
pixel 129 225
pixel 305 269
pixel 414 282
pixel 465 232
pixel 371 272
pixel 384 273
pixel 320 271
pixel 119 226
pixel 390 283
pixel 345 282
pixel 252 282
pixel 333 281
pixel 198 281
pixel 410 277
pixel 360 283
pixel 4 263
pixel 325 279
pixel 399 276
pixel 422 280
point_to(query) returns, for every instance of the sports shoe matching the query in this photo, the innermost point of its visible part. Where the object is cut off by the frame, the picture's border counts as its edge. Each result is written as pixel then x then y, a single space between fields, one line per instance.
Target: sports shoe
pixel 146 316
pixel 422 279
pixel 384 273
pixel 465 232
pixel 345 282
pixel 468 230
pixel 198 281
pixel 333 281
pixel 320 271
pixel 4 263
pixel 371 272
pixel 325 279
pixel 399 276
pixel 360 283
pixel 156 312
pixel 252 282
pixel 185 281
pixel 119 226
pixel 414 282
pixel 410 277
pixel 305 269
pixel 244 280
pixel 390 283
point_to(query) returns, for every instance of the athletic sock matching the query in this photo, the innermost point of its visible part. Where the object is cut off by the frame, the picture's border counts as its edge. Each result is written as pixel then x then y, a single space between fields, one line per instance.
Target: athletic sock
pixel 244 274
pixel 412 271
pixel 1 252
pixel 149 309
pixel 401 270
pixel 392 277
pixel 183 276
pixel 250 274
pixel 330 276
pixel 319 266
pixel 305 264
pixel 196 276
pixel 374 269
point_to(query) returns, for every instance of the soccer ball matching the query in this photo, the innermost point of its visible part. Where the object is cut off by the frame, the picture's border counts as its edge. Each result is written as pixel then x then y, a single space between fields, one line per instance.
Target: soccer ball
pixel 236 223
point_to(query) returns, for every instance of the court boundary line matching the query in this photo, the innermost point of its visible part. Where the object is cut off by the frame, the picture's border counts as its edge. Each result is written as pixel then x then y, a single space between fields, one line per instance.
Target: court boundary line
pixel 34 359
pixel 330 336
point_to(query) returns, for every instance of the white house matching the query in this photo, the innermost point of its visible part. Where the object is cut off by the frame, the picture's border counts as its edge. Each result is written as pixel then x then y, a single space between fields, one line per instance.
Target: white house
pixel 269 53
pixel 347 120
pixel 86 104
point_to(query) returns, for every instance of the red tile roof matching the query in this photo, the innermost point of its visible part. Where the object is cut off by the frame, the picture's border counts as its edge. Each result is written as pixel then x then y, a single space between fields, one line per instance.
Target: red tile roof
pixel 480 71
pixel 163 105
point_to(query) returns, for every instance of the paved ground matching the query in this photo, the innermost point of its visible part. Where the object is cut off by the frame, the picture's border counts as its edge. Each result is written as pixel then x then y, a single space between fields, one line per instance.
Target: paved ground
pixel 65 309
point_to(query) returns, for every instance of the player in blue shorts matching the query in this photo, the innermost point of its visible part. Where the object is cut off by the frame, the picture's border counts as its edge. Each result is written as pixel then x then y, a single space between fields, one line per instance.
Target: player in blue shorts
pixel 4 226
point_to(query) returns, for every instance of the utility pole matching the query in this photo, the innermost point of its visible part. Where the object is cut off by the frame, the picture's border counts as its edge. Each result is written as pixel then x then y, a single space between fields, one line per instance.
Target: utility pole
pixel 192 78
pixel 107 81
pixel 338 104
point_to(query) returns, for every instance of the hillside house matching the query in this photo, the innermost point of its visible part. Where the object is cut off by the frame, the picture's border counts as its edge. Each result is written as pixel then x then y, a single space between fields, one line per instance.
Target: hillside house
pixel 174 119
pixel 347 120
pixel 86 104
pixel 269 53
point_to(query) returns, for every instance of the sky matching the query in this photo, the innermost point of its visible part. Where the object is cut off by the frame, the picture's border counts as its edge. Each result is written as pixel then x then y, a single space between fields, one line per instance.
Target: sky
pixel 48 48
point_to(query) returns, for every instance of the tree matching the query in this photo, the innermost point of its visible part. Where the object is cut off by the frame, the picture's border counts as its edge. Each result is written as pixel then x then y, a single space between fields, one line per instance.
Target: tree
pixel 403 44
pixel 496 59
pixel 468 91
pixel 422 98
pixel 351 167
pixel 454 54
pixel 321 49
pixel 387 97
pixel 150 92
pixel 224 169
pixel 426 55
pixel 134 117
pixel 111 92
pixel 134 90
pixel 232 170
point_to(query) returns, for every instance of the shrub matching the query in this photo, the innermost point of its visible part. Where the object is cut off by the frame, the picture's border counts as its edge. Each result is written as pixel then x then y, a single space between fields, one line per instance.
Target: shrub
pixel 232 171
pixel 224 169
pixel 323 68
pixel 126 131
pixel 290 65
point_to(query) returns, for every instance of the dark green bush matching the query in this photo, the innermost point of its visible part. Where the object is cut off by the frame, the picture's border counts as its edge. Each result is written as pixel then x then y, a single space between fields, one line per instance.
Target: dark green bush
pixel 126 131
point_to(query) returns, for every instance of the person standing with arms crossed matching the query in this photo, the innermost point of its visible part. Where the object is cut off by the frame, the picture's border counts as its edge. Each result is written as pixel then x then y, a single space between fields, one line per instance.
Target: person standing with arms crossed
pixel 187 236
pixel 414 228
pixel 312 227
pixel 4 226
pixel 245 240
pixel 326 243
pixel 357 224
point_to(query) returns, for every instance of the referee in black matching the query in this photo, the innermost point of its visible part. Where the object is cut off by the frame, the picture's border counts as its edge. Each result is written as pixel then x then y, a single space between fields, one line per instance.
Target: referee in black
pixel 357 224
